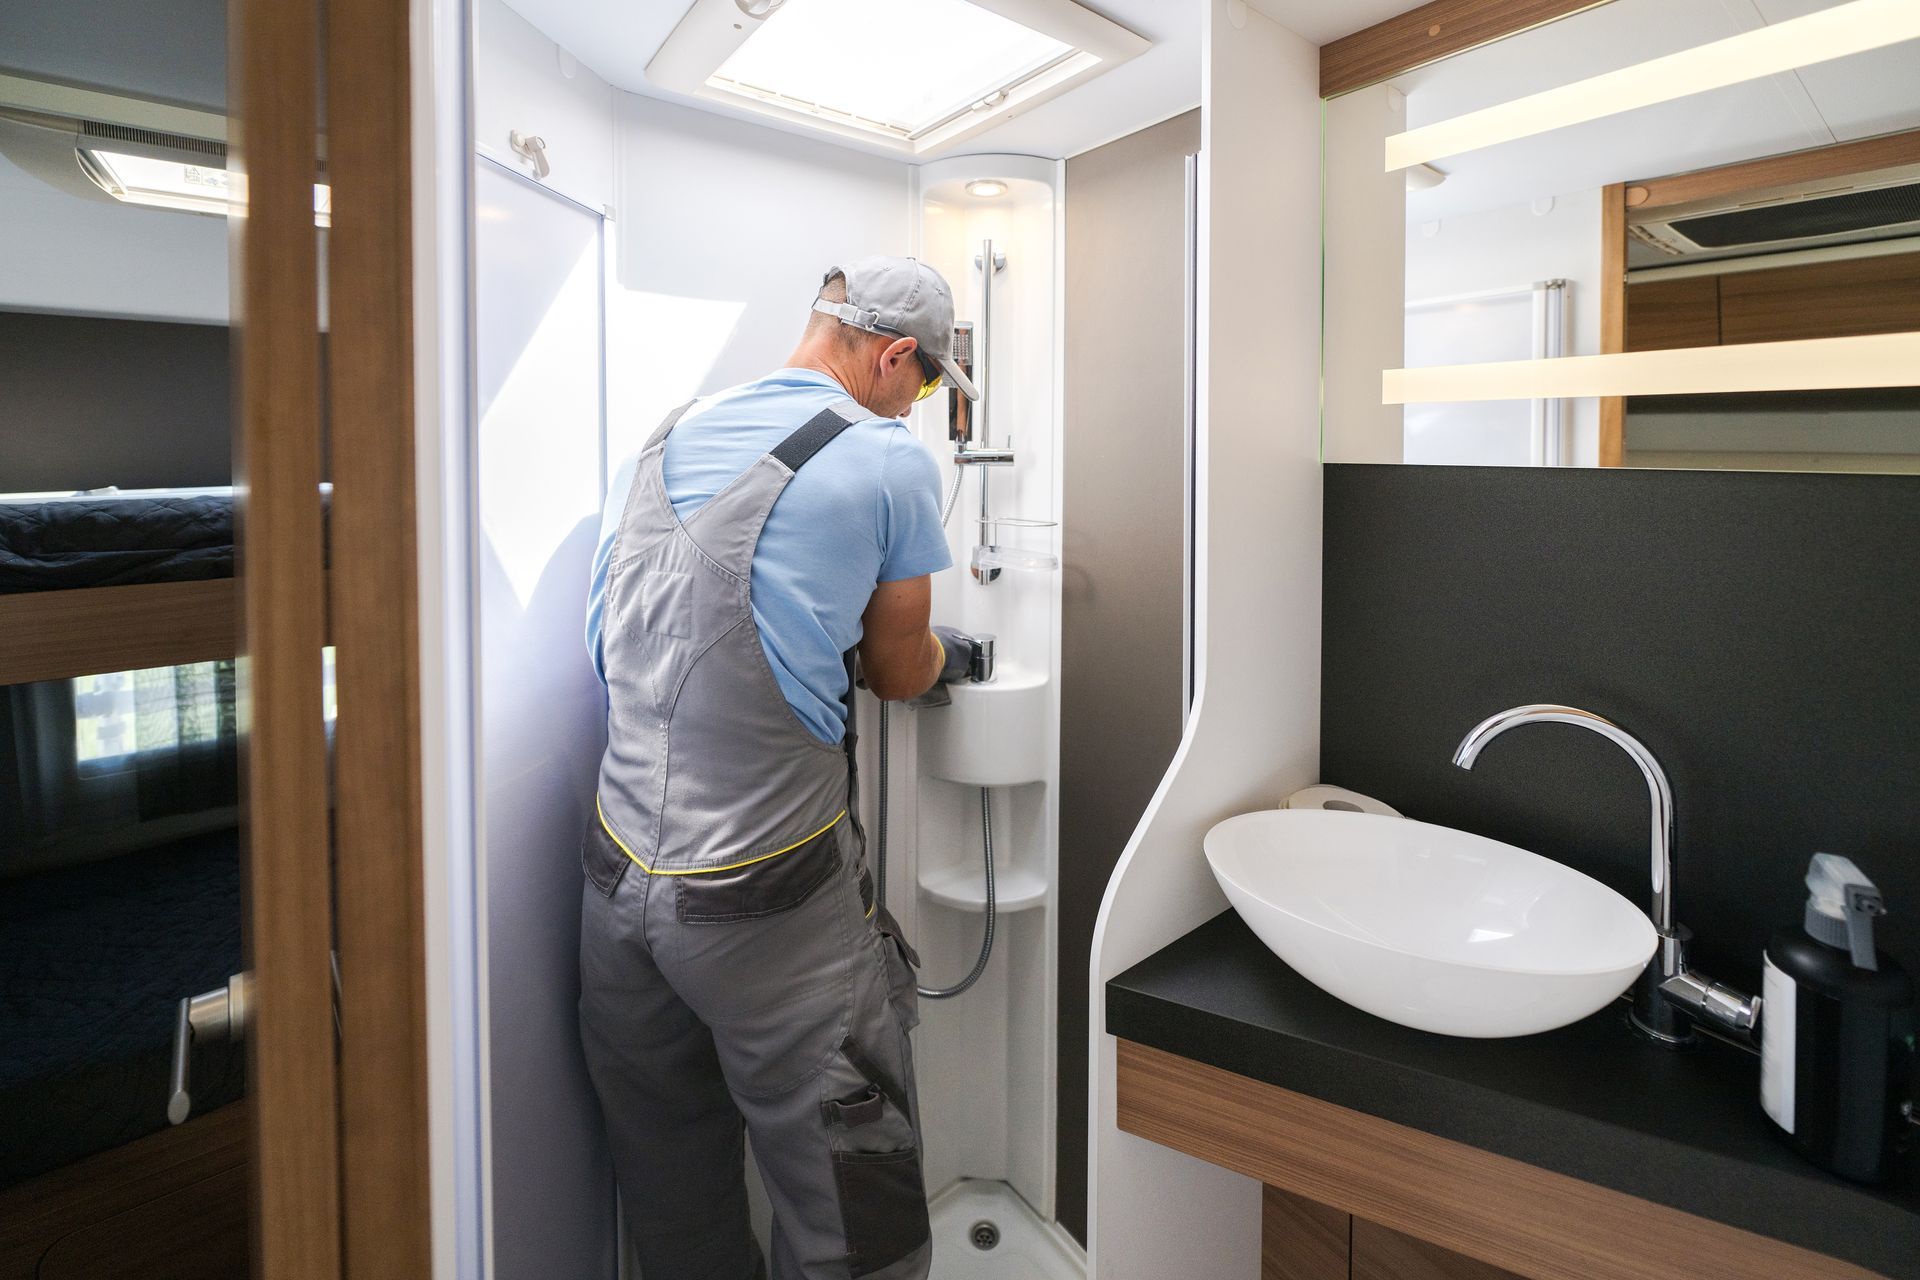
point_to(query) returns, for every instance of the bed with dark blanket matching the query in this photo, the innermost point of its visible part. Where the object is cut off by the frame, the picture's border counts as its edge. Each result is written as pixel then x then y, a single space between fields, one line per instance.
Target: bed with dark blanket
pixel 111 540
pixel 93 960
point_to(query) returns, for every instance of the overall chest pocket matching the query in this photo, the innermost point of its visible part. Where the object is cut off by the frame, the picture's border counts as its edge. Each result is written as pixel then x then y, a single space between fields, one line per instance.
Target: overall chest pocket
pixel 665 604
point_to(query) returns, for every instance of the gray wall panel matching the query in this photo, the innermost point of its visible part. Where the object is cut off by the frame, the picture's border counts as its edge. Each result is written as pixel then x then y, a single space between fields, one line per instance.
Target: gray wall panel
pixel 1757 631
pixel 134 403
pixel 1120 696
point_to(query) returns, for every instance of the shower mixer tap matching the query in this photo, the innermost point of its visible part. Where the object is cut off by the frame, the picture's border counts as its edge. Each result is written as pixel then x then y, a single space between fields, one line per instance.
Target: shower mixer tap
pixel 980 670
pixel 982 456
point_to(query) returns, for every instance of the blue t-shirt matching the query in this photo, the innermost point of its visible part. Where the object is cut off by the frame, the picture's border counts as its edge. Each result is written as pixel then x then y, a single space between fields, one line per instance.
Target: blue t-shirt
pixel 862 511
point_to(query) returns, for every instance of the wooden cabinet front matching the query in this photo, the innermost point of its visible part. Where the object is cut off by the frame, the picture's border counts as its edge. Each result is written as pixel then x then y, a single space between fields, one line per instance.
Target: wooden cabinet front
pixel 1302 1239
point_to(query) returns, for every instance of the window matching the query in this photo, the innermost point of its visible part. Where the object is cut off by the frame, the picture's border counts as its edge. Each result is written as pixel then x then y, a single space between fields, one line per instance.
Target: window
pixel 122 714
pixel 907 81
pixel 913 78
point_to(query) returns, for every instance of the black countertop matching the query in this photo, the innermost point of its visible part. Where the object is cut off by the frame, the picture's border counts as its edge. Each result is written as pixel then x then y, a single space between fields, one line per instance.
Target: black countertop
pixel 1589 1100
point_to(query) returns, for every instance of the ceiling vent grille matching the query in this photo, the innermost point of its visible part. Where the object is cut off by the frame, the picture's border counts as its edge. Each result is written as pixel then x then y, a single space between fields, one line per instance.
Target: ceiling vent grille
pixel 152 138
pixel 1843 214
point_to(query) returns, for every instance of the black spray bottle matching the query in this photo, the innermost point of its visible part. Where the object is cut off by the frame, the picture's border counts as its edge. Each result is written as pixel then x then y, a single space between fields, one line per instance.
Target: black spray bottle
pixel 1837 1030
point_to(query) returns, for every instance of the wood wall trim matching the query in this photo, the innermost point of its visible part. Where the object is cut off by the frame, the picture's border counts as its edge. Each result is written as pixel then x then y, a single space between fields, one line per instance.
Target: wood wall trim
pixel 1501 1211
pixel 273 94
pixel 380 900
pixel 1863 156
pixel 57 635
pixel 1613 316
pixel 1429 33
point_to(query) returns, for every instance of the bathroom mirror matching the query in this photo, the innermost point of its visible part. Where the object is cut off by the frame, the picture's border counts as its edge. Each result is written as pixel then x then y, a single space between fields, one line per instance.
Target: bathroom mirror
pixel 1742 253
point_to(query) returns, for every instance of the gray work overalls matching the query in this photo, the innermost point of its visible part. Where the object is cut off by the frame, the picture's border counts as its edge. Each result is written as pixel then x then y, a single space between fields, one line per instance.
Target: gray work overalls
pixel 733 964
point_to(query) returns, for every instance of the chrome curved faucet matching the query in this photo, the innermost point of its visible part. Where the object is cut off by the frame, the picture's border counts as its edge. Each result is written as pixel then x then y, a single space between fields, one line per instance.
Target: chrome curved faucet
pixel 1669 995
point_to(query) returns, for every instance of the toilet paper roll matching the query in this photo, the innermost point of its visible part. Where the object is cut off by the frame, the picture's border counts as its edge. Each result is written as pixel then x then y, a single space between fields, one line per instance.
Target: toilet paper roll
pixel 1337 798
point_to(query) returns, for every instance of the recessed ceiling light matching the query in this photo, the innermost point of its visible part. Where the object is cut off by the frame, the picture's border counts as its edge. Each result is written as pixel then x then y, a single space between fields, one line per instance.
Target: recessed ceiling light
pixel 910 77
pixel 1855 27
pixel 986 188
pixel 183 185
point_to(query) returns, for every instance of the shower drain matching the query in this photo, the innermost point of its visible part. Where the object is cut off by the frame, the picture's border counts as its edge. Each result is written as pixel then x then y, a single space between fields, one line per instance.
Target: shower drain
pixel 984 1235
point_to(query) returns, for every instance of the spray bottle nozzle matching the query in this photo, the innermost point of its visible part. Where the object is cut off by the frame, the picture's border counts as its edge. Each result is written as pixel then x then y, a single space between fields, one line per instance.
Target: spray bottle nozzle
pixel 1841 907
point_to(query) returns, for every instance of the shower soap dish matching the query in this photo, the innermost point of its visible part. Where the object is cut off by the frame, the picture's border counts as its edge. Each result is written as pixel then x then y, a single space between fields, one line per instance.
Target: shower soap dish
pixel 991 555
pixel 1016 558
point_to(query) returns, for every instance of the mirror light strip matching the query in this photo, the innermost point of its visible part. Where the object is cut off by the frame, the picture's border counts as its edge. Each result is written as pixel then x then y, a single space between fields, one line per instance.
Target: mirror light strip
pixel 1855 27
pixel 1877 360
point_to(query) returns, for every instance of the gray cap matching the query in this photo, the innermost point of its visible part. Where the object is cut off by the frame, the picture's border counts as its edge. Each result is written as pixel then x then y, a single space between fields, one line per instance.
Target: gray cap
pixel 902 298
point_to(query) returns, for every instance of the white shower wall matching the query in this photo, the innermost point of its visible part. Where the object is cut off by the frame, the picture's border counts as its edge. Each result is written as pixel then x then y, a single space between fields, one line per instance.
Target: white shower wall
pixel 986 1059
pixel 725 231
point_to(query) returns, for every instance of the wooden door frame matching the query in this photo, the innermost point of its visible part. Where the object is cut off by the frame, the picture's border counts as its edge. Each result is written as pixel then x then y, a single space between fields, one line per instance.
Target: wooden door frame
pixel 273 87
pixel 340 1183
pixel 379 850
pixel 1613 316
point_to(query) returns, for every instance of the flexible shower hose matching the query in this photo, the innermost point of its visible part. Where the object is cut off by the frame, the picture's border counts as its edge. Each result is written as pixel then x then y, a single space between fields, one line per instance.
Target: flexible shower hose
pixel 880 872
pixel 953 495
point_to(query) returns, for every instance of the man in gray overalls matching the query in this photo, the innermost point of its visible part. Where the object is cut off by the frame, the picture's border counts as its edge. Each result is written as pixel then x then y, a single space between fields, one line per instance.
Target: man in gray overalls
pixel 737 975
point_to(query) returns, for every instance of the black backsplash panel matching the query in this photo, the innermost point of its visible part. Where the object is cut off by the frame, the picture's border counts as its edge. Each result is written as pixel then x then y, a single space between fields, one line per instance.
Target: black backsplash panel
pixel 1759 632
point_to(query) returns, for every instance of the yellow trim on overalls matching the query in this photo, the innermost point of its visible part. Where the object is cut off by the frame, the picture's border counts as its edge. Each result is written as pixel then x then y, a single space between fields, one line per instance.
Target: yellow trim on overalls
pixel 707 871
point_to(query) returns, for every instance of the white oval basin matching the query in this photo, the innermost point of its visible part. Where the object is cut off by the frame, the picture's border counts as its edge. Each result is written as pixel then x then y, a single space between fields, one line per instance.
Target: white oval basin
pixel 1427 926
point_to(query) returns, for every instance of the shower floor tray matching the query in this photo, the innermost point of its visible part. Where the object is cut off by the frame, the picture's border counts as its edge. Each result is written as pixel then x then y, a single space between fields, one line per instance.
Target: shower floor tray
pixel 1027 1248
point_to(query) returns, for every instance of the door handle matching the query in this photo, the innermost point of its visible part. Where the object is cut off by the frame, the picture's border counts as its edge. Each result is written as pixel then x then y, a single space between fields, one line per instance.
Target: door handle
pixel 211 1015
pixel 532 149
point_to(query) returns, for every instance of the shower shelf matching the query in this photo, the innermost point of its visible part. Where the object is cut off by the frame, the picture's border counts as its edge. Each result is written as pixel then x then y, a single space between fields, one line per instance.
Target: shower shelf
pixel 963 888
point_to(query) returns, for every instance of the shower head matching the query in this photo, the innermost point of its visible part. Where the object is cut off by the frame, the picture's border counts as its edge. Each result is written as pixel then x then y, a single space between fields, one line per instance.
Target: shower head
pixel 963 345
pixel 959 410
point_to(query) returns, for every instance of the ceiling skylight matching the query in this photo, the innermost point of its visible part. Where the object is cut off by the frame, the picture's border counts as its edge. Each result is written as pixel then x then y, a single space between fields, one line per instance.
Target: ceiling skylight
pixel 175 184
pixel 900 69
pixel 910 77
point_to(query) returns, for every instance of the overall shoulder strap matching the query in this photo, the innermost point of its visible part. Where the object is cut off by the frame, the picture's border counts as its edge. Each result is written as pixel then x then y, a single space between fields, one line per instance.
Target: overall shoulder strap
pixel 817 434
pixel 665 428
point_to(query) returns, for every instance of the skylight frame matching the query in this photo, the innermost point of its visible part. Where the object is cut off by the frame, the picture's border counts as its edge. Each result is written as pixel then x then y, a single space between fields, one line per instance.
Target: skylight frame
pixel 713 29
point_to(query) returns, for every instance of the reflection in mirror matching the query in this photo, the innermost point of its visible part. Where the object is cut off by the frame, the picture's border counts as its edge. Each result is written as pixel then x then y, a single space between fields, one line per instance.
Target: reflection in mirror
pixel 1781 208
pixel 120 710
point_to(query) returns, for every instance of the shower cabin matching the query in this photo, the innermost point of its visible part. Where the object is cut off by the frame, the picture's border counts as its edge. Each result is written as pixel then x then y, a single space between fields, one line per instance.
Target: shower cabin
pixel 989 761
pixel 623 266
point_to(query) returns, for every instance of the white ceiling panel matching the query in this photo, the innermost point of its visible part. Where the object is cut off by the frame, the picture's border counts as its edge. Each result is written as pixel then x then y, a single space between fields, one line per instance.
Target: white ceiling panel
pixel 1730 125
pixel 1869 93
pixel 1587 44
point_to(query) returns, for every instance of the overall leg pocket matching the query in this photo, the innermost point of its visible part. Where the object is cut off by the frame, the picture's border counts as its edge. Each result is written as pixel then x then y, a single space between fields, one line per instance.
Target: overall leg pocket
pixel 603 861
pixel 876 1165
pixel 903 985
pixel 884 1204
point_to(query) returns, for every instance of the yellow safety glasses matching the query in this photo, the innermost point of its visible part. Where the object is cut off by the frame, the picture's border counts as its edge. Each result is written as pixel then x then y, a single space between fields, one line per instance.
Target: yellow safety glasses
pixel 929 376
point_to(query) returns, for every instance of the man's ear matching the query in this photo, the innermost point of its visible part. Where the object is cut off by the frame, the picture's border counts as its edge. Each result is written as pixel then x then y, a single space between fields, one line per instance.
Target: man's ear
pixel 899 350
